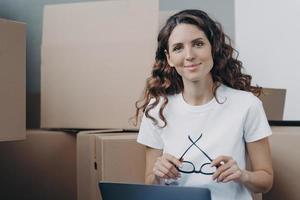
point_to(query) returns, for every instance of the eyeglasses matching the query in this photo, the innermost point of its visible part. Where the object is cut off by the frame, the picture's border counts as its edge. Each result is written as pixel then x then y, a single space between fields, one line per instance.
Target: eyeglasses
pixel 189 168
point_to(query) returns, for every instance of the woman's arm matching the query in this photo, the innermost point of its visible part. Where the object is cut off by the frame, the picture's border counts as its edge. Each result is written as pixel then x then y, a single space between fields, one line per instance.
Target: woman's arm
pixel 260 179
pixel 151 156
pixel 159 165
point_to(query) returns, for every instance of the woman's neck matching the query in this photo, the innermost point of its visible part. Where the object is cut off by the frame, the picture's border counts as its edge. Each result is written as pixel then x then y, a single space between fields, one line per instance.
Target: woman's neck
pixel 198 93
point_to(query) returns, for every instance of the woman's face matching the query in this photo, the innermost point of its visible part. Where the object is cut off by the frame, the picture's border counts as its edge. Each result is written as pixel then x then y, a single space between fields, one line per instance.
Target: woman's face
pixel 190 53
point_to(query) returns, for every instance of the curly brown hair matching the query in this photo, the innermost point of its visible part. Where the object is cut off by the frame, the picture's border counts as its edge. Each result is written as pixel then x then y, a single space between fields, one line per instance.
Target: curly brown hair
pixel 165 80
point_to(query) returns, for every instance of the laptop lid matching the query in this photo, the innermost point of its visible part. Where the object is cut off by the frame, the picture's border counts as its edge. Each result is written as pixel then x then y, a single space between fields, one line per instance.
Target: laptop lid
pixel 121 191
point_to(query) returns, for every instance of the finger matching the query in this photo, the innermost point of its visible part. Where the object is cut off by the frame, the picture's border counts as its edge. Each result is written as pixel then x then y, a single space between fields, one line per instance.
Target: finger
pixel 158 166
pixel 223 167
pixel 172 171
pixel 170 162
pixel 158 173
pixel 172 159
pixel 175 171
pixel 233 176
pixel 163 172
pixel 227 173
pixel 220 160
pixel 220 170
pixel 164 166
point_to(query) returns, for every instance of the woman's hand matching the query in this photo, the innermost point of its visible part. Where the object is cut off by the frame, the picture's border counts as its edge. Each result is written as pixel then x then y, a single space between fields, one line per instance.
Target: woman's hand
pixel 227 170
pixel 164 167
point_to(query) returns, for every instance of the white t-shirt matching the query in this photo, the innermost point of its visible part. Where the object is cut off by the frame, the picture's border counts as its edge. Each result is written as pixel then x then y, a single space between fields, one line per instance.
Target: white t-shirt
pixel 216 128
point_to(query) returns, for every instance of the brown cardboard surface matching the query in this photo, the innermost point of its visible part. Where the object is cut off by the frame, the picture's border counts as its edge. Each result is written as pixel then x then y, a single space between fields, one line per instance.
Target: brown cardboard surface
pixel 122 158
pixel 286 162
pixel 273 102
pixel 95 62
pixel 12 80
pixel 41 167
pixel 108 157
pixel 86 173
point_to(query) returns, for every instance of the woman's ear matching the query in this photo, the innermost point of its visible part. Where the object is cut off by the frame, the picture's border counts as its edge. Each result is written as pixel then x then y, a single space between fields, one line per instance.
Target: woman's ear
pixel 168 59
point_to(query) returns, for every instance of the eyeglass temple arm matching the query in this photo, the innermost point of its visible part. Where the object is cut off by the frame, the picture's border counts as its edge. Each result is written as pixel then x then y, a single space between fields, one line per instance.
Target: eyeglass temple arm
pixel 194 143
pixel 190 145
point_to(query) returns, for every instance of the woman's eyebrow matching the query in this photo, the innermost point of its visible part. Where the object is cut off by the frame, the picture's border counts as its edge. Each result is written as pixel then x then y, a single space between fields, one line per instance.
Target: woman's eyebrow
pixel 194 40
pixel 197 39
pixel 176 44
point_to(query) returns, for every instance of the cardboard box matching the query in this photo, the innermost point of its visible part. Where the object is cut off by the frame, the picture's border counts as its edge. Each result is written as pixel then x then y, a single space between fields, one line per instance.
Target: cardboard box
pixel 273 102
pixel 12 80
pixel 95 62
pixel 41 167
pixel 286 162
pixel 114 156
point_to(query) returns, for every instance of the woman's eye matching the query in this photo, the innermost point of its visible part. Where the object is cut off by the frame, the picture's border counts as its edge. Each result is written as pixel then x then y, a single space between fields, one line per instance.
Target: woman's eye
pixel 177 48
pixel 199 44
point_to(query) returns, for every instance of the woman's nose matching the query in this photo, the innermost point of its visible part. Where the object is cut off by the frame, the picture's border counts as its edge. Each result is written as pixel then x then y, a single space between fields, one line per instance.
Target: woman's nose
pixel 189 54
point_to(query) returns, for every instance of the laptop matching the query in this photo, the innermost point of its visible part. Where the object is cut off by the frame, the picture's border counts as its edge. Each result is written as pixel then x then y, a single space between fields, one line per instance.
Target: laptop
pixel 122 191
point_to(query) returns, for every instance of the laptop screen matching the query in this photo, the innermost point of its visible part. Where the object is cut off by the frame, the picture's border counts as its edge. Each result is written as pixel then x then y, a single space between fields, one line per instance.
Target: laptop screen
pixel 116 191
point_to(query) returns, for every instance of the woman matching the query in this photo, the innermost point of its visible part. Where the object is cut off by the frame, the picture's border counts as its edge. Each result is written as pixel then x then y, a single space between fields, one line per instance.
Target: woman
pixel 201 117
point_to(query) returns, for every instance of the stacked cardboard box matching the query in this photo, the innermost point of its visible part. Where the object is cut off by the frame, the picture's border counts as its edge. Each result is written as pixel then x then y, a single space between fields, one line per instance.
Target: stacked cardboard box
pixel 114 156
pixel 286 161
pixel 41 167
pixel 94 66
pixel 12 80
pixel 273 102
pixel 95 62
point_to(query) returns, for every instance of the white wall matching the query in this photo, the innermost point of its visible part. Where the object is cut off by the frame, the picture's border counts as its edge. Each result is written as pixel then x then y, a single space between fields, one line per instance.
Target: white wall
pixel 267 35
pixel 222 11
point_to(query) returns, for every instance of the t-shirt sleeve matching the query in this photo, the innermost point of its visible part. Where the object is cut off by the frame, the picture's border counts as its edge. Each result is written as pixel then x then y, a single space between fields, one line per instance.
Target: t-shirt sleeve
pixel 256 125
pixel 149 134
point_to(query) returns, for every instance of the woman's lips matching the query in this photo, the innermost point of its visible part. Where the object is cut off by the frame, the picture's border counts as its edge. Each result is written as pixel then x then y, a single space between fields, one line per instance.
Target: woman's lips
pixel 193 66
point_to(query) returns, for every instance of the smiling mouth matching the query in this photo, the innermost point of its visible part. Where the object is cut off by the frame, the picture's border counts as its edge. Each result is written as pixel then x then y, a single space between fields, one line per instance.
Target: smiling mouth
pixel 192 66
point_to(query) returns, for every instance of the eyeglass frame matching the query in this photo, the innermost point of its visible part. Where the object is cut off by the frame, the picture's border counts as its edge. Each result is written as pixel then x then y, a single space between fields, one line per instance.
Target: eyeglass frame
pixel 194 168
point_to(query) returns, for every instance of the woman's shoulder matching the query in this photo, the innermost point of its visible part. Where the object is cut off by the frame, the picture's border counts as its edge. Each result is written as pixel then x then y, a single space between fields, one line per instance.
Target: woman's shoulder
pixel 236 95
